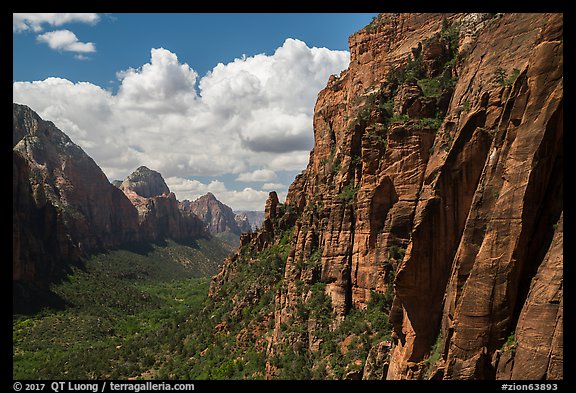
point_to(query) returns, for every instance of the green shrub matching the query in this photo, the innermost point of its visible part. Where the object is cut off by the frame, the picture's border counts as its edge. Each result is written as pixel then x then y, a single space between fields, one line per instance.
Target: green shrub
pixel 386 107
pixel 464 107
pixel 429 122
pixel 376 22
pixel 512 78
pixel 319 304
pixel 314 260
pixel 335 166
pixel 435 355
pixel 510 343
pixel 411 72
pixel 397 252
pixel 348 193
pixel 430 87
pixel 502 79
pixel 451 33
pixel 399 118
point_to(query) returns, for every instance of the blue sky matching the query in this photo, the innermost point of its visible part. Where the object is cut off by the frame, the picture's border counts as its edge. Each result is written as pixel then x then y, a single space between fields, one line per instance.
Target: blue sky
pixel 146 89
pixel 201 40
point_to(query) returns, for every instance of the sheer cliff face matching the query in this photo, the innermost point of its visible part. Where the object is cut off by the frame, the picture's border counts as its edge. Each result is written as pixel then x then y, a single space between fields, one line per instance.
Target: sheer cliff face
pixel 490 200
pixel 437 173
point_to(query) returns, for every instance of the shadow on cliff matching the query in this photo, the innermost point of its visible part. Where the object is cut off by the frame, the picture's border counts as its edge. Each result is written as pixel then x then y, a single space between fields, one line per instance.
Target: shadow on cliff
pixel 29 298
pixel 145 248
pixel 32 297
pixel 192 242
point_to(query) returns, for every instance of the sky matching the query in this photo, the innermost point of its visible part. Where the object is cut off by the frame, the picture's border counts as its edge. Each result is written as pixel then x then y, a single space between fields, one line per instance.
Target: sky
pixel 219 103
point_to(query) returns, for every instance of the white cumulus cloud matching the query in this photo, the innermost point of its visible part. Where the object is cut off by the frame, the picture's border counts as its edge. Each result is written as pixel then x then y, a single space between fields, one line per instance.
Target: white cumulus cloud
pixel 163 84
pixel 35 21
pixel 258 175
pixel 245 199
pixel 251 118
pixel 274 186
pixel 67 41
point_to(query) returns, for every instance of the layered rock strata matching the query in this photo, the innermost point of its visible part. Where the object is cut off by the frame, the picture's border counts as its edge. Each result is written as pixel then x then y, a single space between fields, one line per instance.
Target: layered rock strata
pixel 159 212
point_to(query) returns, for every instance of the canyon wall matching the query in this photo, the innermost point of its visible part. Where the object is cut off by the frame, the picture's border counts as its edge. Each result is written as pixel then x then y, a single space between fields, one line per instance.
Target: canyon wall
pixel 437 176
pixel 63 204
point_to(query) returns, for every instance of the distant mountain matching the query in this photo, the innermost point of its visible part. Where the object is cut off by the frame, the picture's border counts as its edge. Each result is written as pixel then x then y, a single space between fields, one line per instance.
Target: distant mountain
pixel 243 222
pixel 219 218
pixel 254 218
pixel 159 214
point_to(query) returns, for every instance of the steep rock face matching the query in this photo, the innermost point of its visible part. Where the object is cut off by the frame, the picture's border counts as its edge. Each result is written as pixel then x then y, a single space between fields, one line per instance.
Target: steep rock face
pixel 63 204
pixel 437 175
pixel 537 352
pixel 159 213
pixel 496 196
pixel 373 138
pixel 217 216
pixel 34 238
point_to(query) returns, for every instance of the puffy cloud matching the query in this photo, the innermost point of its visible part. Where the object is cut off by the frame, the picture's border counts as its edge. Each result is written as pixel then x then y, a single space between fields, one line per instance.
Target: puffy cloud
pixel 274 186
pixel 292 161
pixel 34 21
pixel 275 130
pixel 65 40
pixel 257 175
pixel 193 189
pixel 245 199
pixel 273 95
pixel 162 85
pixel 251 118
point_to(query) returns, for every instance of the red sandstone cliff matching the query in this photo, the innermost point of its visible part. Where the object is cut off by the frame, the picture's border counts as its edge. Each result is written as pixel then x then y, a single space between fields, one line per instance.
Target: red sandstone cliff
pixel 436 173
